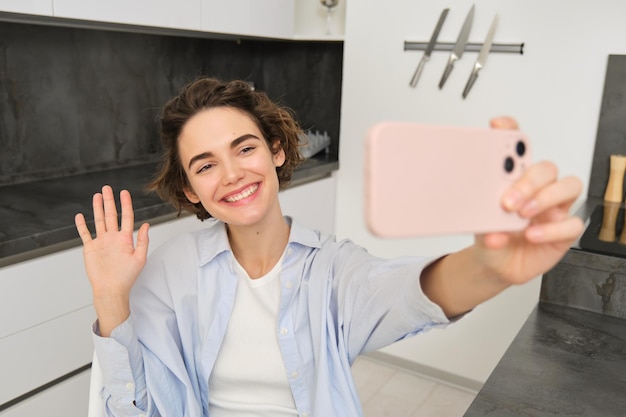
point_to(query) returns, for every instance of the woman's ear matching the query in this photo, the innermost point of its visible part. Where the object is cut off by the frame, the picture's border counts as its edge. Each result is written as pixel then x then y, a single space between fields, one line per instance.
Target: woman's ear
pixel 191 196
pixel 278 153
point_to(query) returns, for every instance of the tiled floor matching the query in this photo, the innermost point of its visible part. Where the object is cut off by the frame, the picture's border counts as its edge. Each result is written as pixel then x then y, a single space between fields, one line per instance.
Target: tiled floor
pixel 389 391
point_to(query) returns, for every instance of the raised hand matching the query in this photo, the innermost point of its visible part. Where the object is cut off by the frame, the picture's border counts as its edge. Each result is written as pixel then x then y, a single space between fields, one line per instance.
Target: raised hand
pixel 112 259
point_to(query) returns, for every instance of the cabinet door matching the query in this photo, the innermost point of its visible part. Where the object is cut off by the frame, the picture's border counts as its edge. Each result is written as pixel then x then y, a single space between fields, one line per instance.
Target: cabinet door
pixel 68 399
pixel 38 355
pixel 41 7
pixel 264 18
pixel 181 14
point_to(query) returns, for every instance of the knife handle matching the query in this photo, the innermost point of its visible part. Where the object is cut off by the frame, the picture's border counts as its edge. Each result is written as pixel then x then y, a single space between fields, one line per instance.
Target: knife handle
pixel 418 71
pixel 448 70
pixel 470 82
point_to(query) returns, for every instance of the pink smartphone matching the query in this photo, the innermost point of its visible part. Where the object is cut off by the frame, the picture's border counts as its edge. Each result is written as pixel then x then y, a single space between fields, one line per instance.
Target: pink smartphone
pixel 434 180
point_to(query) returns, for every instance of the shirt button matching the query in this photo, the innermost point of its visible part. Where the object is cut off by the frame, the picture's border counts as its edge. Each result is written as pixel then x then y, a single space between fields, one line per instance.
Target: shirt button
pixel 130 386
pixel 305 414
pixel 294 374
pixel 288 285
pixel 284 331
pixel 289 251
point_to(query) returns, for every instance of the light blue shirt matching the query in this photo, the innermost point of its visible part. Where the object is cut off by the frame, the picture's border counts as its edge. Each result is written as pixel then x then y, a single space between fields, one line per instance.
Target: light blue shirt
pixel 337 302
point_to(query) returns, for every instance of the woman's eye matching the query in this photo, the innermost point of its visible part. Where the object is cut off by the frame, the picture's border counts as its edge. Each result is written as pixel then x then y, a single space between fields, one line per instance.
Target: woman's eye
pixel 247 149
pixel 204 168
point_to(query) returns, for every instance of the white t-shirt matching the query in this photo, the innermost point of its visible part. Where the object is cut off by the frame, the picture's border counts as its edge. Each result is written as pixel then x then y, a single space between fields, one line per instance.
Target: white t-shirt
pixel 249 377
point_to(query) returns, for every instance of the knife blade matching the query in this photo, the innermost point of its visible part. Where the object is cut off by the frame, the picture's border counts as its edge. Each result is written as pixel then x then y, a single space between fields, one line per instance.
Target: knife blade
pixel 459 47
pixel 482 56
pixel 429 48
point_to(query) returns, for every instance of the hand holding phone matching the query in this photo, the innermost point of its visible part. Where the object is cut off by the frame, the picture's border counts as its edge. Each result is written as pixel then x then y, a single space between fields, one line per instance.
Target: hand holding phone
pixel 433 180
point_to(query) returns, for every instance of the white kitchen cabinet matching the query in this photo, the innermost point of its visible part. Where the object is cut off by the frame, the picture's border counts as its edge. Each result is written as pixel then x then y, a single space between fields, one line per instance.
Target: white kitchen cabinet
pixel 36 356
pixel 38 7
pixel 264 18
pixel 182 14
pixel 45 321
pixel 280 19
pixel 69 398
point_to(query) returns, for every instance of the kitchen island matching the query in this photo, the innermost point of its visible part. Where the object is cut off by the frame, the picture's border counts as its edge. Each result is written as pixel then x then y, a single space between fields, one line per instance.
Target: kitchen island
pixel 563 362
pixel 569 358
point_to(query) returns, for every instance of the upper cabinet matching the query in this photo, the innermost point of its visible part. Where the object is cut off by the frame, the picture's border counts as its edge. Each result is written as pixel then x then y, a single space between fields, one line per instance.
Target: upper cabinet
pixel 38 7
pixel 182 14
pixel 264 18
pixel 280 19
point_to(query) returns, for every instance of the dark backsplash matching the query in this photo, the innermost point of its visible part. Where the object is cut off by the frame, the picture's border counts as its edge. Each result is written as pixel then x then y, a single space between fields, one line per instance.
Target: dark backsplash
pixel 78 100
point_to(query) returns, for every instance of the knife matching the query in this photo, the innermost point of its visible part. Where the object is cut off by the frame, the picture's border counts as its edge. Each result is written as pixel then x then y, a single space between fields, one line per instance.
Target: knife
pixel 429 48
pixel 459 47
pixel 482 56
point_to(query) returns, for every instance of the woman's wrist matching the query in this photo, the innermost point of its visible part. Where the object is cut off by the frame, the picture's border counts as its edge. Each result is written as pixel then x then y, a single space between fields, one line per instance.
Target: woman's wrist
pixel 460 281
pixel 112 310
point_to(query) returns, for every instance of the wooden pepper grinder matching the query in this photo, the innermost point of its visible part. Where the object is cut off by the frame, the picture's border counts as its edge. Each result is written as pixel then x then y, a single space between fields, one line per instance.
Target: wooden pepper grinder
pixel 615 185
pixel 612 199
pixel 609 219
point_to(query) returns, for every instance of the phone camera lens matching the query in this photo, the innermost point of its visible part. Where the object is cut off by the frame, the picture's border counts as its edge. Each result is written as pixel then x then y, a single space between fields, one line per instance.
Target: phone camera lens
pixel 509 164
pixel 520 148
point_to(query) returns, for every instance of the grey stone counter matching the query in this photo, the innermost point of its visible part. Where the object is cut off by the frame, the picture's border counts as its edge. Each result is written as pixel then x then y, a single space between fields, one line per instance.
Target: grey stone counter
pixel 37 218
pixel 563 362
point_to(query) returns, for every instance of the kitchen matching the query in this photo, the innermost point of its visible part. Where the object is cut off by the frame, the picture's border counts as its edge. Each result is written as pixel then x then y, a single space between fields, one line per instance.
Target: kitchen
pixel 554 90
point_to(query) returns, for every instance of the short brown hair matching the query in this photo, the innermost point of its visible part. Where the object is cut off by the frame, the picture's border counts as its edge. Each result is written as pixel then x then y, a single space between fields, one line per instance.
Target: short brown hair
pixel 275 122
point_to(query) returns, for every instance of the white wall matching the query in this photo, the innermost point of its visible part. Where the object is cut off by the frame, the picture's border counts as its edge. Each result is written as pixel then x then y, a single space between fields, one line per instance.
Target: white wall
pixel 554 90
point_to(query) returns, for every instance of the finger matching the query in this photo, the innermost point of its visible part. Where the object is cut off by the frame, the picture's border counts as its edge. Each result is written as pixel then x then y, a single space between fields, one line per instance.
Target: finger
pixel 560 194
pixel 141 249
pixel 128 216
pixel 566 230
pixel 503 122
pixel 98 214
pixel 81 227
pixel 110 210
pixel 535 178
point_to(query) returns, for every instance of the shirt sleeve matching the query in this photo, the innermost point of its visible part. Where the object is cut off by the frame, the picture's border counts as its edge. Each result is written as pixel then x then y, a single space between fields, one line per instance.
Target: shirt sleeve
pixel 380 301
pixel 124 383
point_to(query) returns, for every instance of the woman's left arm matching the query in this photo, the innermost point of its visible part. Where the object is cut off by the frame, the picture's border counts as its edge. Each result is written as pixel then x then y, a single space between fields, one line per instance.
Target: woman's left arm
pixel 460 281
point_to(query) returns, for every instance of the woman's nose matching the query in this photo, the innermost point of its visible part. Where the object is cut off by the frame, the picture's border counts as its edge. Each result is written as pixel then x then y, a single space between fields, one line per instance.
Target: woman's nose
pixel 232 172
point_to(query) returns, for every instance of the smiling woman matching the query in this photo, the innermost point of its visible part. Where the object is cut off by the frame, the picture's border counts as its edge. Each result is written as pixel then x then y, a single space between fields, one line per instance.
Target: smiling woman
pixel 272 123
pixel 229 166
pixel 256 315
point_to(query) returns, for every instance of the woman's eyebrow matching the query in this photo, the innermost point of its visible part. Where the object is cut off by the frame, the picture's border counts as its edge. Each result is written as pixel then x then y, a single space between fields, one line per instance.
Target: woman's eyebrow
pixel 233 144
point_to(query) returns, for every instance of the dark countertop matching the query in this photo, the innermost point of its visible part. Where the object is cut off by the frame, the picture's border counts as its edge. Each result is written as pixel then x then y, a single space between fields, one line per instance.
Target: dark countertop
pixel 563 362
pixel 37 218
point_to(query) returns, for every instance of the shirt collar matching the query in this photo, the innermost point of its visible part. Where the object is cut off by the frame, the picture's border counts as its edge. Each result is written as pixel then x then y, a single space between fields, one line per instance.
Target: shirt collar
pixel 214 240
pixel 303 235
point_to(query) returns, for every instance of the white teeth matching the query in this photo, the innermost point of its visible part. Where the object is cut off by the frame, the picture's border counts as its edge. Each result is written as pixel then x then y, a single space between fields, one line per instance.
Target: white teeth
pixel 245 193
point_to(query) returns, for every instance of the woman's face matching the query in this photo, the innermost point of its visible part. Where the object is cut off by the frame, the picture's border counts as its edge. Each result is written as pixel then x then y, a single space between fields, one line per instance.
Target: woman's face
pixel 230 168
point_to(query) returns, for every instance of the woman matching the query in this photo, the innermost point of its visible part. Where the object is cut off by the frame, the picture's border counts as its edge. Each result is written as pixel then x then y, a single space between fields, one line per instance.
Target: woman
pixel 256 315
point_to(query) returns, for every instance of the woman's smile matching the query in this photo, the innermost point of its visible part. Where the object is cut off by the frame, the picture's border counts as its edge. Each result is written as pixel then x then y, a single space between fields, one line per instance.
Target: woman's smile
pixel 238 196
